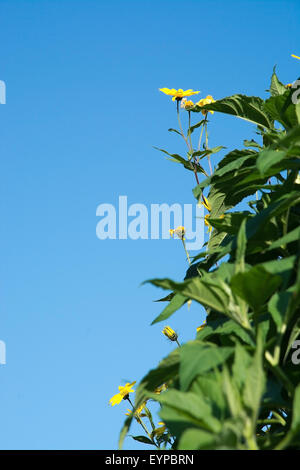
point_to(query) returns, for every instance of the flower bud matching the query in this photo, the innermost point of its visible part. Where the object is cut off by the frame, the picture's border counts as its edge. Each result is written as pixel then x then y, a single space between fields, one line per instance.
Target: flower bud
pixel 169 333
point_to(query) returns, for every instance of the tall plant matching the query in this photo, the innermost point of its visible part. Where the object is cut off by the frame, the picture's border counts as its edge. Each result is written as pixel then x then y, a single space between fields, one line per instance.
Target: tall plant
pixel 237 384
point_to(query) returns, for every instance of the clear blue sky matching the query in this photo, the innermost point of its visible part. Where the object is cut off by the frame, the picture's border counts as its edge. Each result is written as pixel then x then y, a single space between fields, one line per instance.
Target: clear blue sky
pixel 83 113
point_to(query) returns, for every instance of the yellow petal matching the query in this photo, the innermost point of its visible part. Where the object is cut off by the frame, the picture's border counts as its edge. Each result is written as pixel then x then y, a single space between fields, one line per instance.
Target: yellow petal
pixel 205 203
pixel 116 399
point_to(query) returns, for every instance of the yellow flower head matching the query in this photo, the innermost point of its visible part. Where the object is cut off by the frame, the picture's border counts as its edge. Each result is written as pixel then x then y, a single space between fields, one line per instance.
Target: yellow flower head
pixel 170 333
pixel 288 85
pixel 179 231
pixel 187 104
pixel 178 94
pixel 123 394
pixel 295 56
pixel 208 100
pixel 200 328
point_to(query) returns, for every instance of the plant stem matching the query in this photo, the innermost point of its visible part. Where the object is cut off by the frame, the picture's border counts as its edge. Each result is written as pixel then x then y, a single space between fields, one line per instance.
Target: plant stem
pixel 139 420
pixel 200 138
pixel 180 127
pixel 189 132
pixel 206 146
pixel 186 252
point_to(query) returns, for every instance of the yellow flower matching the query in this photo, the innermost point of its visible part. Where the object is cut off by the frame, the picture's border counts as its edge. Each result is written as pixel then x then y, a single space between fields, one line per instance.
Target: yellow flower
pixel 295 56
pixel 187 104
pixel 208 100
pixel 179 231
pixel 169 333
pixel 178 94
pixel 200 328
pixel 288 85
pixel 123 394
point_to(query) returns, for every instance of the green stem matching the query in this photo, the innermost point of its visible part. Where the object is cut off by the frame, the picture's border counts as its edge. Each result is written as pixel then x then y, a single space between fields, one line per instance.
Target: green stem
pixel 200 138
pixel 180 127
pixel 149 415
pixel 189 132
pixel 268 421
pixel 186 252
pixel 206 147
pixel 139 420
pixel 277 348
pixel 279 418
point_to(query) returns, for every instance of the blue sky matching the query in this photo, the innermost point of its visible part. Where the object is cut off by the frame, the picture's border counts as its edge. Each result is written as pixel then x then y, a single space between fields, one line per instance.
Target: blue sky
pixel 83 113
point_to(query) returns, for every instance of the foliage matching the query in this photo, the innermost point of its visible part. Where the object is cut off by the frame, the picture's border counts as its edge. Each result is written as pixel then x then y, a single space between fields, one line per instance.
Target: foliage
pixel 235 386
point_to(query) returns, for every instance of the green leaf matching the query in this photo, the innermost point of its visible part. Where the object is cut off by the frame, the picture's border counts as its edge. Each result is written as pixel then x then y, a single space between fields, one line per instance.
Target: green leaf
pixel 209 385
pixel 194 439
pixel 252 143
pixel 282 109
pixel 187 408
pixel 250 108
pixel 195 126
pixel 143 439
pixel 277 306
pixel 197 358
pixel 174 130
pixel 277 207
pixel 255 382
pixel 226 328
pixel 232 393
pixel 186 163
pixel 241 248
pixel 124 431
pixel 255 286
pixel 167 370
pixel 268 158
pixel 167 298
pixel 176 302
pixel 240 366
pixel 205 291
pixel 290 237
pixel 276 87
pixel 295 427
pixel 283 267
pixel 231 222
